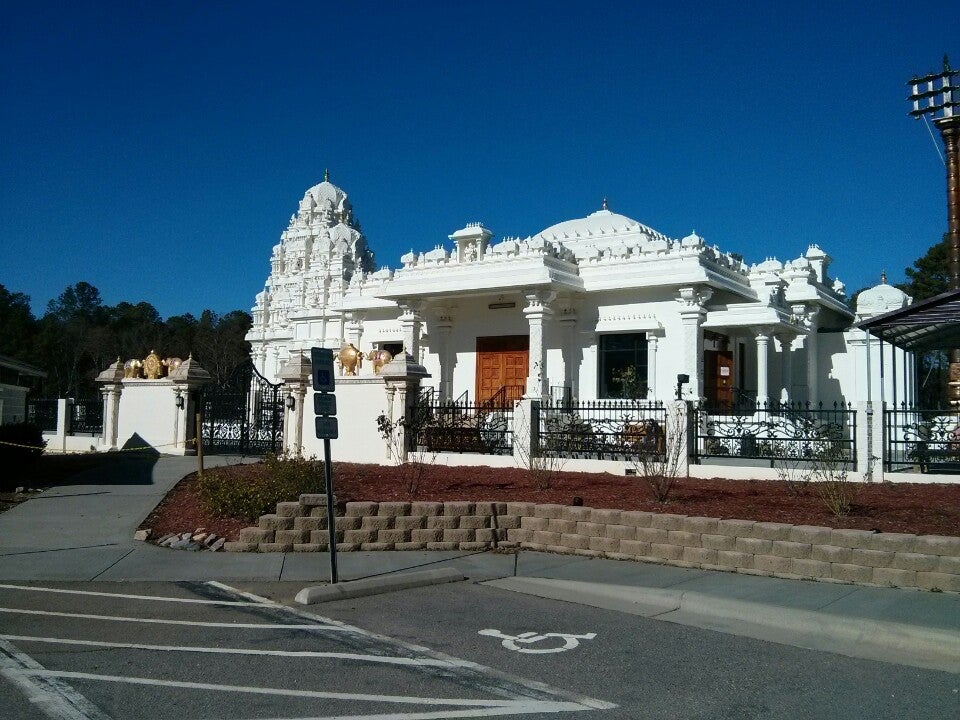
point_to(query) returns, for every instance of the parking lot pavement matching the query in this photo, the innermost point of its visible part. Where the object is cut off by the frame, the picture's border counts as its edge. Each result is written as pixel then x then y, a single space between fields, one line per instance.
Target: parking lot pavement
pixel 152 651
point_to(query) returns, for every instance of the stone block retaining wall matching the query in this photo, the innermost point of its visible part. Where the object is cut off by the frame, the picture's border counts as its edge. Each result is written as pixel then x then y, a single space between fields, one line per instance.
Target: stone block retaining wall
pixel 745 546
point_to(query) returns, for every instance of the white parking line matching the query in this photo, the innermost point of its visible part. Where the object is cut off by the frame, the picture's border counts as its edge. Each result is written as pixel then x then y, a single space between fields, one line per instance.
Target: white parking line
pixel 158 598
pixel 324 694
pixel 161 621
pixel 383 659
pixel 51 695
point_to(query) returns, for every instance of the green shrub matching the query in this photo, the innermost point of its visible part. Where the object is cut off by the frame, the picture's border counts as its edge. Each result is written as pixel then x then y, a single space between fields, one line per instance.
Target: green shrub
pixel 16 460
pixel 281 479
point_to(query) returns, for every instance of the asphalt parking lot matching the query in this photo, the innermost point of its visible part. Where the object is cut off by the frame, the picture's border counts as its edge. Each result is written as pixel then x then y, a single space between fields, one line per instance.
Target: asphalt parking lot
pixel 202 650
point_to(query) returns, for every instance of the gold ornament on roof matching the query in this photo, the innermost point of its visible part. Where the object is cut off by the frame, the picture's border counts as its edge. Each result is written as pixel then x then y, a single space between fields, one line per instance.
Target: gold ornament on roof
pixel 379 359
pixel 152 366
pixel 350 359
pixel 133 368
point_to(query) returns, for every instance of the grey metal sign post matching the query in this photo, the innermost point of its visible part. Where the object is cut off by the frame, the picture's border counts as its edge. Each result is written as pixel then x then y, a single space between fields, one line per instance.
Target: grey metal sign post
pixel 325 409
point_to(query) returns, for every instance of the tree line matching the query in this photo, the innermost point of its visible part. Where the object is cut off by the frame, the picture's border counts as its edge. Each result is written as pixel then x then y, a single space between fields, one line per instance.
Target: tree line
pixel 79 336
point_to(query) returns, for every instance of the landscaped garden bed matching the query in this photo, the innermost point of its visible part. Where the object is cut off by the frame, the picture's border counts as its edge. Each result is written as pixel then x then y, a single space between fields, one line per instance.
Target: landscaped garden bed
pixel 922 509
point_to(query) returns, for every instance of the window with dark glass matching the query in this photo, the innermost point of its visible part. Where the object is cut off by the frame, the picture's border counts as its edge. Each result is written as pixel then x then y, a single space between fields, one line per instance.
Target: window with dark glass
pixel 623 366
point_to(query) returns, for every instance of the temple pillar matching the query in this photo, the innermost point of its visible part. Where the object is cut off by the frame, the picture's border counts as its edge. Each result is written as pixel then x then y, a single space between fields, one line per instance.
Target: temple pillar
pixel 813 359
pixel 652 341
pixel 692 314
pixel 786 347
pixel 568 333
pixel 111 380
pixel 442 330
pixel 763 365
pixel 411 321
pixel 537 312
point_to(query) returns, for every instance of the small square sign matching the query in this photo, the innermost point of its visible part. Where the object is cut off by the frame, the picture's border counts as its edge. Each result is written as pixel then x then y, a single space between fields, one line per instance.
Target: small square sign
pixel 327 427
pixel 321 360
pixel 324 404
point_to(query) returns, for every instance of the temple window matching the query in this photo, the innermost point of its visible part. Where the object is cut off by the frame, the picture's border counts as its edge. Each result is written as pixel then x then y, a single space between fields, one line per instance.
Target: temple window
pixel 622 366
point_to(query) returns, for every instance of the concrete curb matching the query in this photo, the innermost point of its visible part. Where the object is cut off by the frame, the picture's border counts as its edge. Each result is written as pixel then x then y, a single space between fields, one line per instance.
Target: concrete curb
pixel 377 585
pixel 926 647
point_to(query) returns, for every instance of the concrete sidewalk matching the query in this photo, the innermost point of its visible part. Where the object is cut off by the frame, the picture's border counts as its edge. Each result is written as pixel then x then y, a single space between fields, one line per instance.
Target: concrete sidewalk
pixel 84 531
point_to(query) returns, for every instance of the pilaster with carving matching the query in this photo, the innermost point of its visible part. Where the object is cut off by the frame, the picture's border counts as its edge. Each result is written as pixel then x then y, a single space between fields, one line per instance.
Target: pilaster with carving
pixel 537 312
pixel 693 312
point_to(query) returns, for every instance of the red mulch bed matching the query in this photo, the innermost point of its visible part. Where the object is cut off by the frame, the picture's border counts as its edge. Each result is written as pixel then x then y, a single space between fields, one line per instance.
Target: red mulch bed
pixel 885 507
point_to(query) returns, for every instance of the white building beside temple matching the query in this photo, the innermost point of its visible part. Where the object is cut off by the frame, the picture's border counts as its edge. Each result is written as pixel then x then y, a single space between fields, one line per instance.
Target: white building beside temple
pixel 589 308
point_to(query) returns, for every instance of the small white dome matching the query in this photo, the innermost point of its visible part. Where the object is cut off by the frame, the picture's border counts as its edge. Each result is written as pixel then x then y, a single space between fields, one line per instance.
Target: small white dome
pixel 880 299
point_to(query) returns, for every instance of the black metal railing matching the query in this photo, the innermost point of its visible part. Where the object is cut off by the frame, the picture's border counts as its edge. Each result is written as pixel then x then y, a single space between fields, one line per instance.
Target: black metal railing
pixel 921 438
pixel 438 425
pixel 42 412
pixel 86 416
pixel 776 431
pixel 602 429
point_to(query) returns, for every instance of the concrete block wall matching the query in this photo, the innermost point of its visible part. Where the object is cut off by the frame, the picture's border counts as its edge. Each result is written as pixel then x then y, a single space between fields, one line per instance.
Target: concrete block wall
pixel 744 546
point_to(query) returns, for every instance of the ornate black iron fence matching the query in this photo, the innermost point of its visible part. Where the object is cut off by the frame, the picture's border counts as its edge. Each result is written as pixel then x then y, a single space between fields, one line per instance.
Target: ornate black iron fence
pixel 42 412
pixel 602 429
pixel 460 426
pixel 924 439
pixel 86 416
pixel 244 415
pixel 776 431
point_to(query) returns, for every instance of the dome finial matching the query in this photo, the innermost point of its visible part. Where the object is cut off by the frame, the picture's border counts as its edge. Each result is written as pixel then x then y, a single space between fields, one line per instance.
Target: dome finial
pixel 603 205
pixel 883 277
pixel 326 175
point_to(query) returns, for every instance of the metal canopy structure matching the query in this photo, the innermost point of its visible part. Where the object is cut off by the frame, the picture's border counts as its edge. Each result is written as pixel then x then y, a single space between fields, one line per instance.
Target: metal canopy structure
pixel 932 324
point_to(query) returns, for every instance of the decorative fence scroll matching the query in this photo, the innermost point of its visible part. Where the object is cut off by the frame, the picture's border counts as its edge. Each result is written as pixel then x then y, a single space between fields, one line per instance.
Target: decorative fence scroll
pixel 438 425
pixel 42 412
pixel 777 431
pixel 924 438
pixel 602 429
pixel 86 416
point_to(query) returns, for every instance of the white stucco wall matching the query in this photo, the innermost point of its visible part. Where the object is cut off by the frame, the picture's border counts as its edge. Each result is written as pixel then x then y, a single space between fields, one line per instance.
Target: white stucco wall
pixel 359 402
pixel 148 410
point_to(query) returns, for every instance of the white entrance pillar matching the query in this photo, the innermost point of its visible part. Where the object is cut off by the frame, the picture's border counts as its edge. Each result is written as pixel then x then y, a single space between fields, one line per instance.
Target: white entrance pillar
pixel 692 314
pixel 536 312
pixel 444 327
pixel 568 325
pixel 786 346
pixel 354 328
pixel 651 366
pixel 111 380
pixel 411 321
pixel 763 361
pixel 813 358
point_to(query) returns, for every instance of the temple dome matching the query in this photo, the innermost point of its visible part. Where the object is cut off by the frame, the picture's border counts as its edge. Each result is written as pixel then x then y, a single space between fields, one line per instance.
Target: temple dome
pixel 880 299
pixel 600 224
pixel 326 193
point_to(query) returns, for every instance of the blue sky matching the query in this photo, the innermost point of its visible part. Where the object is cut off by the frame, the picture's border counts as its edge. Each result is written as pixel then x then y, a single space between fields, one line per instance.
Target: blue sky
pixel 157 150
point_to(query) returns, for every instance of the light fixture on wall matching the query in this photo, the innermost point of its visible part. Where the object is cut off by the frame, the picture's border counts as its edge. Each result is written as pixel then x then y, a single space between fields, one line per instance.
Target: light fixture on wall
pixel 180 401
pixel 682 379
pixel 291 402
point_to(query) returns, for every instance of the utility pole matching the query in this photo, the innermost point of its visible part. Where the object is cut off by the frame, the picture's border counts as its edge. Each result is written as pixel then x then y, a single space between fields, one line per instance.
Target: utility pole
pixel 938 95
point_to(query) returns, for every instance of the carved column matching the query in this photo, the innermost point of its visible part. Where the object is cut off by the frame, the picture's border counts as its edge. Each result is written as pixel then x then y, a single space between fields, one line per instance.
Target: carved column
pixel 411 321
pixel 652 340
pixel 568 325
pixel 443 327
pixel 812 344
pixel 786 347
pixel 537 312
pixel 112 385
pixel 763 362
pixel 354 328
pixel 692 314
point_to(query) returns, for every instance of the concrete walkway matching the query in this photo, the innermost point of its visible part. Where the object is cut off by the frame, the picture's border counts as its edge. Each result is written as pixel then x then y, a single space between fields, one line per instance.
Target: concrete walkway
pixel 83 531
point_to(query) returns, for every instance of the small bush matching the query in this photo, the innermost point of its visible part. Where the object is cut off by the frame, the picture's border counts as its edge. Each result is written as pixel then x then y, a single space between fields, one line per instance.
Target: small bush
pixel 282 479
pixel 15 460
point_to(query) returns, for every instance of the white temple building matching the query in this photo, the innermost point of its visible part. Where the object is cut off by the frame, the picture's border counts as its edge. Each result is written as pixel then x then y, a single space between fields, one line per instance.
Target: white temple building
pixel 590 308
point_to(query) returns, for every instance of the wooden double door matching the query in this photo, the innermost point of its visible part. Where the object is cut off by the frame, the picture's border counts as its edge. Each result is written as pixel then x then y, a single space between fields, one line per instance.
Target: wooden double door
pixel 502 362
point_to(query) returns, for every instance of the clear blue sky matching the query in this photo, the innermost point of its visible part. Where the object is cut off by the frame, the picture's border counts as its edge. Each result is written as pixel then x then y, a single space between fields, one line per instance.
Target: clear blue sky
pixel 157 150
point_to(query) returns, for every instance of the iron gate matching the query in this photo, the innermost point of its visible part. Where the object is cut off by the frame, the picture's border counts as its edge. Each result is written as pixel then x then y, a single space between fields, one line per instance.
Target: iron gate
pixel 243 416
